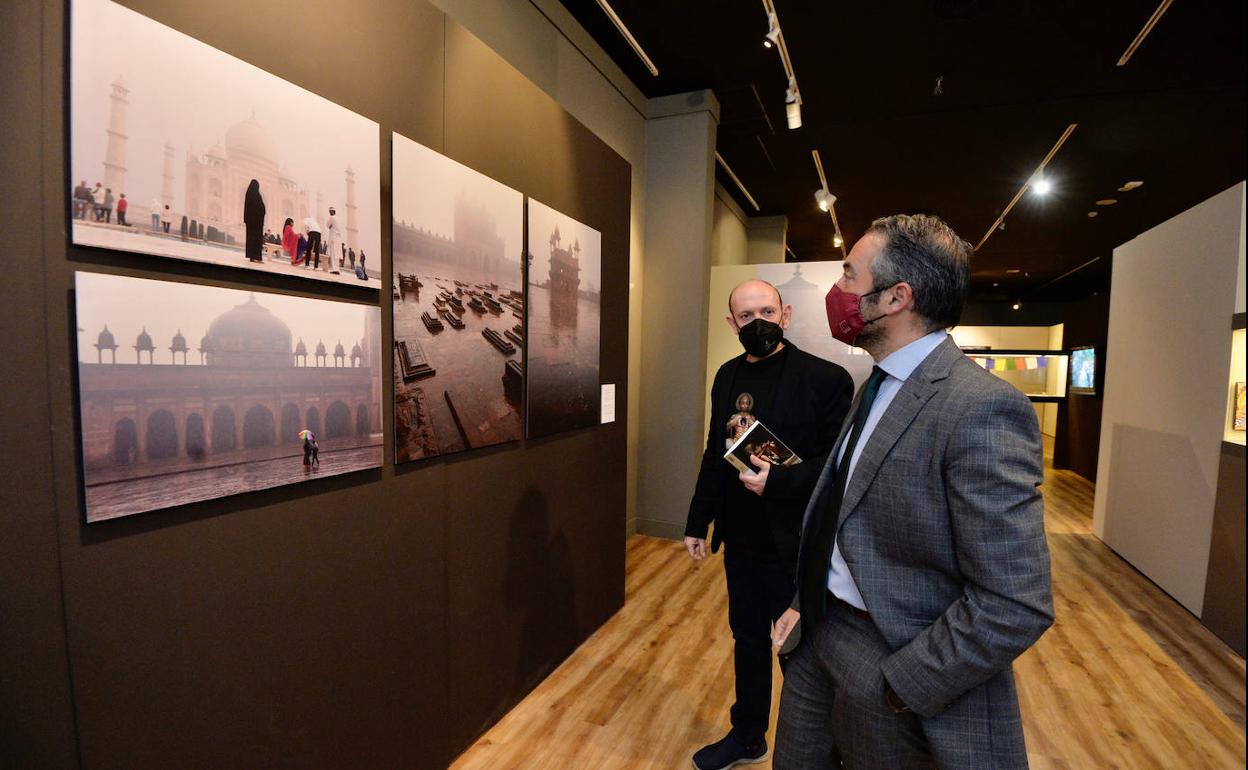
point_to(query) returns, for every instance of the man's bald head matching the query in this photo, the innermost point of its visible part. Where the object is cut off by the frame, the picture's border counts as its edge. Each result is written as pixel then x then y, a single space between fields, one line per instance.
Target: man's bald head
pixel 753 289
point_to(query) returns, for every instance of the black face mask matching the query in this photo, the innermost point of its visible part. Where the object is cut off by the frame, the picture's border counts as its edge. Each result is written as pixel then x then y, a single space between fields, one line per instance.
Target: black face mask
pixel 760 337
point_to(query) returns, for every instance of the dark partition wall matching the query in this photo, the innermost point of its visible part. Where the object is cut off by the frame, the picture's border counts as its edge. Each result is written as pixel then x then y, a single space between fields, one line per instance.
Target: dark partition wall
pixel 381 619
pixel 1077 445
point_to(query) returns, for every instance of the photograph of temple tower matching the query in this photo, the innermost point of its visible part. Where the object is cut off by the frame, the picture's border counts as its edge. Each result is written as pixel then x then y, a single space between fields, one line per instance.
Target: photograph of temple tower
pixel 182 130
pixel 458 306
pixel 565 297
pixel 191 392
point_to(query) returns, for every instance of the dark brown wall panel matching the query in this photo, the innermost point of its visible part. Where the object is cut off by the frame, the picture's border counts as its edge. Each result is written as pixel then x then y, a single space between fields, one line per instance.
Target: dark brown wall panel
pixel 373 620
pixel 1223 610
pixel 1077 444
pixel 538 569
pixel 36 718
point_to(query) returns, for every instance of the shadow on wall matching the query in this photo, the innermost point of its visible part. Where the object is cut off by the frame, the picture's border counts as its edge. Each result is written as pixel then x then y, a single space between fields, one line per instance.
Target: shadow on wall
pixel 538 588
pixel 1159 510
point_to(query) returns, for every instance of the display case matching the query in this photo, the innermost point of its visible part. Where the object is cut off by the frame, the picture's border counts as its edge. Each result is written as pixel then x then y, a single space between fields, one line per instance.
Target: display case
pixel 1040 374
pixel 1235 422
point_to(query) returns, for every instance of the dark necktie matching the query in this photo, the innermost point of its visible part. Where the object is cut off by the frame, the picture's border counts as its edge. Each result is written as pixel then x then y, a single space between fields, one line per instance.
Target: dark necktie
pixel 814 579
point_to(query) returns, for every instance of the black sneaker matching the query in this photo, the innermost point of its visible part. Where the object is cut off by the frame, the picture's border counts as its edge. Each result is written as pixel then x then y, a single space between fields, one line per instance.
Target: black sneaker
pixel 730 752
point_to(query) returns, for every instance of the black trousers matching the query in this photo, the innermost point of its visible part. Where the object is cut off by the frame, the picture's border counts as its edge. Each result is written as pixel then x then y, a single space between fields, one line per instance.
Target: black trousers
pixel 759 591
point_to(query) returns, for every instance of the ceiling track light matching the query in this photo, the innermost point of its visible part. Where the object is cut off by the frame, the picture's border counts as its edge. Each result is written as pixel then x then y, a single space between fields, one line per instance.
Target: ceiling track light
pixel 773 31
pixel 1036 175
pixel 1147 28
pixel 824 196
pixel 619 25
pixel 793 95
pixel 728 170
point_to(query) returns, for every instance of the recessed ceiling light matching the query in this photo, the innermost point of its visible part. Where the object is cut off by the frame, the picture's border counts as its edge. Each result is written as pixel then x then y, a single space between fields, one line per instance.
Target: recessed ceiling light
pixel 1129 186
pixel 1017 305
pixel 1092 214
pixel 1107 201
pixel 995 285
pixel 1013 270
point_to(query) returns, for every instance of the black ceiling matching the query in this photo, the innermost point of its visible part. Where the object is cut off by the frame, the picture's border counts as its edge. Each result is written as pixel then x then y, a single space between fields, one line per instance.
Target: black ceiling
pixel 1014 75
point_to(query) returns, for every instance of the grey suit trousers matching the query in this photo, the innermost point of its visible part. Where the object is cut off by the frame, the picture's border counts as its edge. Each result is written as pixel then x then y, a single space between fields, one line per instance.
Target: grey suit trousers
pixel 832 711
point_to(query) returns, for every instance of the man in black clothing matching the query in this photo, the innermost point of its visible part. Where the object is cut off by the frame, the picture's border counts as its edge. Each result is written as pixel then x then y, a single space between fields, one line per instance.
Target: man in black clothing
pixel 802 399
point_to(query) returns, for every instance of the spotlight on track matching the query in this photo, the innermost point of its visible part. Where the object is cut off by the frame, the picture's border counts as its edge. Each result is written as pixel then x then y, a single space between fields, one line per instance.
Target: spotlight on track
pixel 773 31
pixel 837 241
pixel 825 199
pixel 1042 186
pixel 793 106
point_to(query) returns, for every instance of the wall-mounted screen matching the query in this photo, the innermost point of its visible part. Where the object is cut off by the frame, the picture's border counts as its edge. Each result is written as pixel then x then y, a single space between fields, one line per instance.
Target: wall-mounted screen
pixel 1083 371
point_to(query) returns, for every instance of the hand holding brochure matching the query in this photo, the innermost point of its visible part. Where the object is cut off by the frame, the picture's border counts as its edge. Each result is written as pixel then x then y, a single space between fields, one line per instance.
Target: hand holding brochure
pixel 762 443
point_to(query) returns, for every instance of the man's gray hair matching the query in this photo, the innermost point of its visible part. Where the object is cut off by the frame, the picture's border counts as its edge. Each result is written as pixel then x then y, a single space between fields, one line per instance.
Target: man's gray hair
pixel 924 252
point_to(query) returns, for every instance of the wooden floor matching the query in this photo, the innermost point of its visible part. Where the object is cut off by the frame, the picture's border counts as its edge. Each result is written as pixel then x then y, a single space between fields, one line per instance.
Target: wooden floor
pixel 1126 678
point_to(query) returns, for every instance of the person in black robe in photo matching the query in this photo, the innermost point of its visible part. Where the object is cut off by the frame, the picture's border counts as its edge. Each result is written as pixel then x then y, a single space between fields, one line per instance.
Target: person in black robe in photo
pixel 253 218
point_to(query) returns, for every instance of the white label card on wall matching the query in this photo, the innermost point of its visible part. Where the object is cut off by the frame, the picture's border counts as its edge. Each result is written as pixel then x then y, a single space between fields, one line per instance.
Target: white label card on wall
pixel 608 403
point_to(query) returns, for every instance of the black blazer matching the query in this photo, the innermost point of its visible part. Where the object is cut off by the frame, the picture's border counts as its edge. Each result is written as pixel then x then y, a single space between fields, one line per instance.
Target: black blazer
pixel 811 401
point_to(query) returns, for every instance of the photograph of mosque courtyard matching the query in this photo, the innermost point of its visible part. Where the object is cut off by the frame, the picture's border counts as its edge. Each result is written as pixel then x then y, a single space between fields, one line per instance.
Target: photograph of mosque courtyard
pixel 189 392
pixel 168 133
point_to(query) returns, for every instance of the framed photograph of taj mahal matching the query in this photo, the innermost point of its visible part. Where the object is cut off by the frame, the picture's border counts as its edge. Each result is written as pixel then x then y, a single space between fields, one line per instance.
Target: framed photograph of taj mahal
pixel 180 150
pixel 458 243
pixel 191 392
pixel 564 307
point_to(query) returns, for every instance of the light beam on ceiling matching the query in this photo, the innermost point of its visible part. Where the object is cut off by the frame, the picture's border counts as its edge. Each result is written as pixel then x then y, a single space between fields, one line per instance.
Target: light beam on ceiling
pixel 1035 175
pixel 728 170
pixel 823 184
pixel 793 107
pixel 1148 27
pixel 619 24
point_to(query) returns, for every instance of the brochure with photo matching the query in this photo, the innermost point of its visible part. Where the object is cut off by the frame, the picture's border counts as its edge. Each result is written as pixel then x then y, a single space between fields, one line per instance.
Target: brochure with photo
pixel 762 443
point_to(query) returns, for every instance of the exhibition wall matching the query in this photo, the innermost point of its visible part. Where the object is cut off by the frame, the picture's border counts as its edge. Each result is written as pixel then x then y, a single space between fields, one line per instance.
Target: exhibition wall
pixel 1168 351
pixel 382 618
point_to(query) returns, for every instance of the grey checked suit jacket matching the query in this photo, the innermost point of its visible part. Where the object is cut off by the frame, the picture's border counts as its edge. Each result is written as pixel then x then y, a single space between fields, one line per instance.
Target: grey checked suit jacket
pixel 942 526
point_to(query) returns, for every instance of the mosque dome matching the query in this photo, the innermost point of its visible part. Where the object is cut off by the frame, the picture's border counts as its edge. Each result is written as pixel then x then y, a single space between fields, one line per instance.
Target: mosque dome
pixel 179 342
pixel 216 151
pixel 144 341
pixel 249 336
pixel 106 341
pixel 249 138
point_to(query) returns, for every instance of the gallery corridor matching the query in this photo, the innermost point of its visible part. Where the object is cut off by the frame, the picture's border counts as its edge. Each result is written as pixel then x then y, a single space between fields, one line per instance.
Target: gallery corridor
pixel 1126 678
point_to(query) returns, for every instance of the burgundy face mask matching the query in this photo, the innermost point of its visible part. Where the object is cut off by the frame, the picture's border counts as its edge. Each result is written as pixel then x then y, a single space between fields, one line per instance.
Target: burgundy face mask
pixel 845 319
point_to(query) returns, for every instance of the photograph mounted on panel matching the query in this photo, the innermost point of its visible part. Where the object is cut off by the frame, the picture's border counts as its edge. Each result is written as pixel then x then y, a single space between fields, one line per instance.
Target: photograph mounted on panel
pixel 458 306
pixel 180 150
pixel 565 300
pixel 189 392
pixel 1237 414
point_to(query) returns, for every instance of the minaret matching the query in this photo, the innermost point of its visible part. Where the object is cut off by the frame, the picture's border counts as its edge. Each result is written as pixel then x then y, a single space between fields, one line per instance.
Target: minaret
pixel 353 228
pixel 372 359
pixel 166 185
pixel 115 155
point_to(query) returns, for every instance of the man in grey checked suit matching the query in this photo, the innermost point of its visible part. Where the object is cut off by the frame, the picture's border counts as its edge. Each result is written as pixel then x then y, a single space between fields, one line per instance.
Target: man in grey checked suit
pixel 923 571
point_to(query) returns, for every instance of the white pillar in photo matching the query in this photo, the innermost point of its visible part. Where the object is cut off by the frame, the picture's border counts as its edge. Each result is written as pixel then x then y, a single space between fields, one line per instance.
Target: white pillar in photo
pixel 353 228
pixel 115 154
pixel 166 177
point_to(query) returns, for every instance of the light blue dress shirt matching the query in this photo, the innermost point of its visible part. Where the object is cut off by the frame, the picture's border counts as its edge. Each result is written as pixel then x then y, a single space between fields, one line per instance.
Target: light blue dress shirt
pixel 898 366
